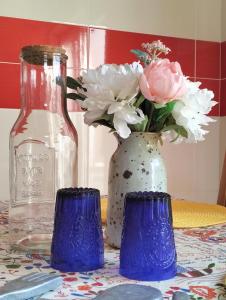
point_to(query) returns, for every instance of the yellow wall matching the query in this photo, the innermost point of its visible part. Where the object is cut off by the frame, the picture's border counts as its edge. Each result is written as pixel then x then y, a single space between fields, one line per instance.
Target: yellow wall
pixel 199 19
pixel 223 19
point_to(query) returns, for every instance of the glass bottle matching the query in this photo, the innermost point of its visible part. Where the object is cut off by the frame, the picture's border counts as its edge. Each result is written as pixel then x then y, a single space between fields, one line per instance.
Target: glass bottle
pixel 43 148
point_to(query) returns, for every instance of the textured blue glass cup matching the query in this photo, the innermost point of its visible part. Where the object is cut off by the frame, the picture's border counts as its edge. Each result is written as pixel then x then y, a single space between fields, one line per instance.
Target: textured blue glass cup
pixel 148 249
pixel 77 243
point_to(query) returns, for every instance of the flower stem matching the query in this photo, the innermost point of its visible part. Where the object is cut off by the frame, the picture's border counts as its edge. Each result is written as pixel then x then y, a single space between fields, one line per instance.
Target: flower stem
pixel 139 101
pixel 150 118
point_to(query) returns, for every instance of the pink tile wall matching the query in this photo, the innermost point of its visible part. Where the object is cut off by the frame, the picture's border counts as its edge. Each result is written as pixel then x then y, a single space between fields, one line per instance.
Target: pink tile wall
pixel 90 46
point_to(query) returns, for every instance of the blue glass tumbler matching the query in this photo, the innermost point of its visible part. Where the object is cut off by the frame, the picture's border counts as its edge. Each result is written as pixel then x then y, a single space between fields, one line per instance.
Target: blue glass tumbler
pixel 148 249
pixel 77 243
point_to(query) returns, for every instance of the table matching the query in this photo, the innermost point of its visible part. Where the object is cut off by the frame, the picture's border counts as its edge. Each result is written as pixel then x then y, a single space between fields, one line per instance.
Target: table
pixel 201 267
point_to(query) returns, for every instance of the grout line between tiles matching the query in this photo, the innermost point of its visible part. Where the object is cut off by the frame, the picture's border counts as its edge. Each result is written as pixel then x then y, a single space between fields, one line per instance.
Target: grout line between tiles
pixel 195 64
pixel 206 78
pixel 88 47
pixel 9 63
pixel 220 85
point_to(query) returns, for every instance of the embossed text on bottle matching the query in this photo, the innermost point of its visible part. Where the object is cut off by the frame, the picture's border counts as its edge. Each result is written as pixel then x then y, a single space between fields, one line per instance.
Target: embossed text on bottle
pixel 34 172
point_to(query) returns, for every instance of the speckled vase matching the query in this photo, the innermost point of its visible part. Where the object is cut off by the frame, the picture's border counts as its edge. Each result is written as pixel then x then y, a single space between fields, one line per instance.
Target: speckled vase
pixel 136 165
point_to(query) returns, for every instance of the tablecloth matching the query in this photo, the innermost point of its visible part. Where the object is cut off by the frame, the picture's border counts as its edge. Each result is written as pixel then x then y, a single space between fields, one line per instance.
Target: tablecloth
pixel 201 267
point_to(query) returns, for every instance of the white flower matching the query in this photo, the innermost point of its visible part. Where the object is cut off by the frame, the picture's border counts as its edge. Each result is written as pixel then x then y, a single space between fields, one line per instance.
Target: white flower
pixel 156 45
pixel 124 114
pixel 190 111
pixel 111 89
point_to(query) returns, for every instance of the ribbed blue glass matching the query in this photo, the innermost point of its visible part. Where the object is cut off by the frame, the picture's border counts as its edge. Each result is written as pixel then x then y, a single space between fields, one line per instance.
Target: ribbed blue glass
pixel 148 249
pixel 77 243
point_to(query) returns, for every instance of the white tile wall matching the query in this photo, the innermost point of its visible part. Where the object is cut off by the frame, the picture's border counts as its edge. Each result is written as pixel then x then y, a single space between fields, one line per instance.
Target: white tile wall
pixel 193 170
pixel 7 119
pixel 223 20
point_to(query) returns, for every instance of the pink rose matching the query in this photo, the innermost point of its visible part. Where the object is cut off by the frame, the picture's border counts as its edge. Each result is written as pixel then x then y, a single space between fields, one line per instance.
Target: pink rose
pixel 162 81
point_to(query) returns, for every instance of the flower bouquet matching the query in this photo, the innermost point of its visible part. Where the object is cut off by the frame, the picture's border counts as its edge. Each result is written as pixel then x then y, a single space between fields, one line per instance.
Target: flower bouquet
pixel 152 95
pixel 141 103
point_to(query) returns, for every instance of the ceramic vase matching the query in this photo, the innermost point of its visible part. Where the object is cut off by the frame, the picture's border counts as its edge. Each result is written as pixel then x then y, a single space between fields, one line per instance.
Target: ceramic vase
pixel 136 165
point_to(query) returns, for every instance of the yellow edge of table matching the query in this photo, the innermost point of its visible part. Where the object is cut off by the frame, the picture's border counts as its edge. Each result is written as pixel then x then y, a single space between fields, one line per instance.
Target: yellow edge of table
pixel 187 214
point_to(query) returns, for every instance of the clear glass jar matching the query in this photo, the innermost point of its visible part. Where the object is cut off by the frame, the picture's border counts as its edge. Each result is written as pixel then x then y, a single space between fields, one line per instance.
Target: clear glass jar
pixel 43 148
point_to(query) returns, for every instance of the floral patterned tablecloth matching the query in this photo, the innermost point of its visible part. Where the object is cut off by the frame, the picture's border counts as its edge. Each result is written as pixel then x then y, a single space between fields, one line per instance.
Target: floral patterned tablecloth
pixel 201 267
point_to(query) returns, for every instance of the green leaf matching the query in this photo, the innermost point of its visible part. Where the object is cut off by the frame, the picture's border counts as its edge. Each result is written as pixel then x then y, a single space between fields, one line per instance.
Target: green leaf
pixel 150 114
pixel 75 96
pixel 162 116
pixel 73 83
pixel 170 105
pixel 106 117
pixel 139 101
pixel 174 140
pixel 170 120
pixel 139 53
pixel 147 107
pixel 142 125
pixel 158 105
pixel 106 120
pixel 165 111
pixel 104 123
pixel 180 130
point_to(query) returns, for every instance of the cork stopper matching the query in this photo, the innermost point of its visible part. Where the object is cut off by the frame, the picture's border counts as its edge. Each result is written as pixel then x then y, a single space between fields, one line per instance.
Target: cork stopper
pixel 40 54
